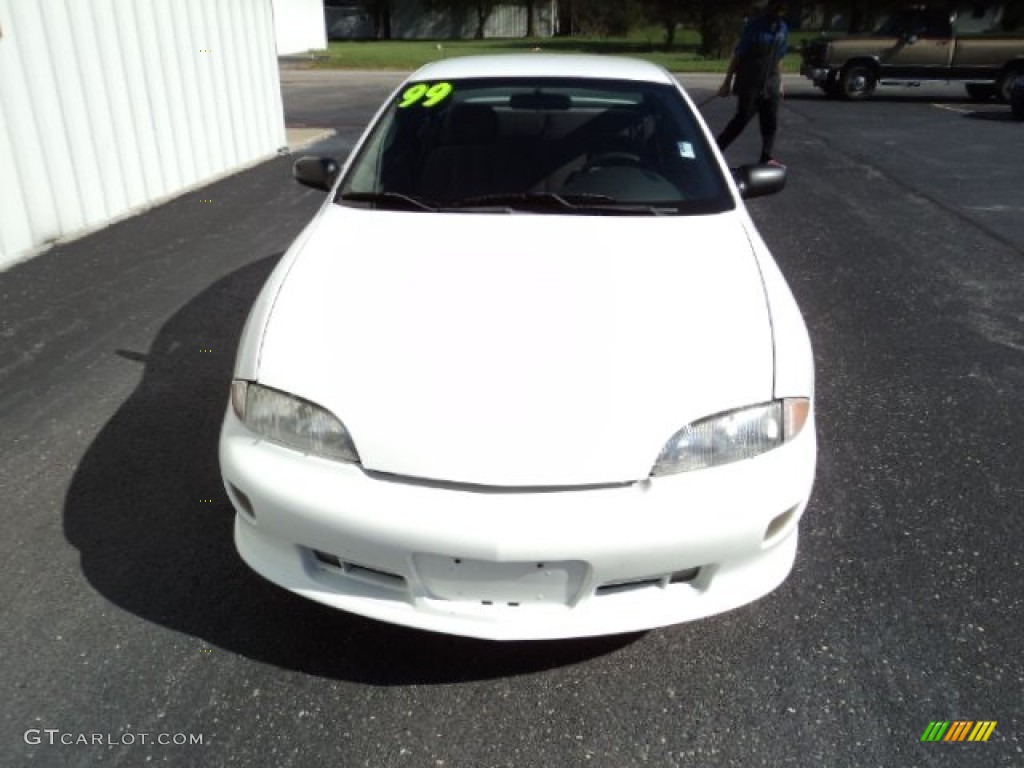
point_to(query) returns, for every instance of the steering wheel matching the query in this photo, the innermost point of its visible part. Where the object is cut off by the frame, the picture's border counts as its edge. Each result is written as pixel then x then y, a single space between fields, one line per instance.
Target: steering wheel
pixel 613 160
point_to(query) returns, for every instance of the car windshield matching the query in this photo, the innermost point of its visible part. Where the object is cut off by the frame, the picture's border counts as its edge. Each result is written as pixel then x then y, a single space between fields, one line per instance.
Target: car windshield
pixel 553 145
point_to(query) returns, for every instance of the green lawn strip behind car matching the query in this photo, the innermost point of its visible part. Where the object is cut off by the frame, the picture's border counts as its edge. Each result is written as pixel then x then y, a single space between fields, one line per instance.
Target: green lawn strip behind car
pixel 411 54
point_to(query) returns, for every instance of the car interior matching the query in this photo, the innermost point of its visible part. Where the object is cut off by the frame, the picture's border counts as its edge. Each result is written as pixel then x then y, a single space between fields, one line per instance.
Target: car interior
pixel 481 145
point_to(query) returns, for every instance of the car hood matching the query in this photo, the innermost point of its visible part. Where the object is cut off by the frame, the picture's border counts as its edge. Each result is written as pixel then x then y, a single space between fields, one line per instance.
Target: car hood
pixel 519 349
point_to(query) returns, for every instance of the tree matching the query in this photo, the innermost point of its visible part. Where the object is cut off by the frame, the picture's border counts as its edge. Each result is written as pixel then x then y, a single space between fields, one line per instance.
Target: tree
pixel 480 9
pixel 381 10
pixel 720 22
pixel 667 13
pixel 603 18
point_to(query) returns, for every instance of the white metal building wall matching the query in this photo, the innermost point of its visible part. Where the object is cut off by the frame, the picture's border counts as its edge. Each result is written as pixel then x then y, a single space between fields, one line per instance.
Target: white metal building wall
pixel 299 26
pixel 110 105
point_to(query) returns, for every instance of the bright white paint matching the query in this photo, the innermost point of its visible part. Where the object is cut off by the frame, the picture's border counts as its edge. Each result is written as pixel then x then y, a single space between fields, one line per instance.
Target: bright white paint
pixel 299 26
pixel 543 65
pixel 108 106
pixel 606 350
pixel 509 380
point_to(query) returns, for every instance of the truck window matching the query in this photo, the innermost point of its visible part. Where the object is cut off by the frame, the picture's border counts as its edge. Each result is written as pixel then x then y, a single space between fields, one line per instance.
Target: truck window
pixel 934 24
pixel 896 25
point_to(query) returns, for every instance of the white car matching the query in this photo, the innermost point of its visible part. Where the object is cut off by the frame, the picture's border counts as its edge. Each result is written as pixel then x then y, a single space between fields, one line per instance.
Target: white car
pixel 530 372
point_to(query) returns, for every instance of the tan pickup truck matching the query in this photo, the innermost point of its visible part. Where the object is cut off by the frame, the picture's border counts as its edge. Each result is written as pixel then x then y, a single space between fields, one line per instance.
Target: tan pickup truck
pixel 910 47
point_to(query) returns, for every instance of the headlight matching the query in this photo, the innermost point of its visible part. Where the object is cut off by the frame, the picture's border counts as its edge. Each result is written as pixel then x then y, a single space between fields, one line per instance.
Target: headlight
pixel 733 436
pixel 291 421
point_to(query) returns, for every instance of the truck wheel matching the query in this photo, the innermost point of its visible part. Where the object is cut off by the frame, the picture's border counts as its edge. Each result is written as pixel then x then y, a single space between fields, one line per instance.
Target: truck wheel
pixel 857 82
pixel 980 92
pixel 832 87
pixel 1017 98
pixel 1005 81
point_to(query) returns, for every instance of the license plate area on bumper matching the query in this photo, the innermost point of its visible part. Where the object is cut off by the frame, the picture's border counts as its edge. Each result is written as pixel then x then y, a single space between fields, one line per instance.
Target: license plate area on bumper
pixel 493 583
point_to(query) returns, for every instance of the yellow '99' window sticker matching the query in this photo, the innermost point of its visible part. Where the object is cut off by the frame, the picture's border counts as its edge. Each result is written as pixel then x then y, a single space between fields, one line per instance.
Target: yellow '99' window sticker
pixel 425 94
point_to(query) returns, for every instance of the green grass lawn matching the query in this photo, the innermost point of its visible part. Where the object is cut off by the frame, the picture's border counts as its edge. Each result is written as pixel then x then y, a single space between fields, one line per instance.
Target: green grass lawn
pixel 410 54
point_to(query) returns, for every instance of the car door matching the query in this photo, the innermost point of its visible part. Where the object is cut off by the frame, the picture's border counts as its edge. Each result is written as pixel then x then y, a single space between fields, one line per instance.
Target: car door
pixel 924 49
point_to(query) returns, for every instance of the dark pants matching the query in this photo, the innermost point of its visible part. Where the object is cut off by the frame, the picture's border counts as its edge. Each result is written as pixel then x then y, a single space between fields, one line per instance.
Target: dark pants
pixel 748 104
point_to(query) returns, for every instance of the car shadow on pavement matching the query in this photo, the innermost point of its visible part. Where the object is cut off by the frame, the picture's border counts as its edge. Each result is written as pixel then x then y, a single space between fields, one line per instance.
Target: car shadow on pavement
pixel 148 514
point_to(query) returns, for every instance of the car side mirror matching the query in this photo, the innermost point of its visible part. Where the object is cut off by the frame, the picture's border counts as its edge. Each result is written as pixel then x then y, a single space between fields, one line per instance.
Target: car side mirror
pixel 909 38
pixel 316 172
pixel 759 180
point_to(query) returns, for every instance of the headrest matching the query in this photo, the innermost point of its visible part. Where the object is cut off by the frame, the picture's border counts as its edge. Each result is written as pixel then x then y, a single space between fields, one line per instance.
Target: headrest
pixel 471 124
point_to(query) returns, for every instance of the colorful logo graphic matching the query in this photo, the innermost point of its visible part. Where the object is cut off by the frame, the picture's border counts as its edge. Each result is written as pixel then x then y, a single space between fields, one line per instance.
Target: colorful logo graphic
pixel 958 730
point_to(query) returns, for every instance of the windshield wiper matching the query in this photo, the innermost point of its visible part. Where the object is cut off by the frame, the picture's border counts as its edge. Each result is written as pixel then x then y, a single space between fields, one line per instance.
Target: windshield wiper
pixel 575 202
pixel 393 200
pixel 533 200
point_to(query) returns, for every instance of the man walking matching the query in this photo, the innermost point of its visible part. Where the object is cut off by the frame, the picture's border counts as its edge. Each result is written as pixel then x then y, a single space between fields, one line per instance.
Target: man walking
pixel 756 65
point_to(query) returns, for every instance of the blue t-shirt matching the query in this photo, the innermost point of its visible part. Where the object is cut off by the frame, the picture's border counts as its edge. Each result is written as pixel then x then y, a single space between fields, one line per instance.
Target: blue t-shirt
pixel 764 41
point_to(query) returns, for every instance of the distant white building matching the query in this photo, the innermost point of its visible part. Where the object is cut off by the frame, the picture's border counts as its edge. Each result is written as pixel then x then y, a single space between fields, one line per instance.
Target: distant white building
pixel 349 20
pixel 410 19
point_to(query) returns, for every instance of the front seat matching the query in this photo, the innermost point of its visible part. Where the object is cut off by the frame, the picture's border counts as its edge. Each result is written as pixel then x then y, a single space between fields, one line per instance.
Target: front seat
pixel 468 161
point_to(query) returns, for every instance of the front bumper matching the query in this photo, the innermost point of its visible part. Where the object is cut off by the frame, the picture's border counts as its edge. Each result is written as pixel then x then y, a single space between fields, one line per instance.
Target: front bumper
pixel 504 565
pixel 820 75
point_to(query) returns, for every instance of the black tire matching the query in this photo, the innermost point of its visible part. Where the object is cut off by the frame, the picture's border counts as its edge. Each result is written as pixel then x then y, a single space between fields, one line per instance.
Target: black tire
pixel 832 87
pixel 1005 81
pixel 980 91
pixel 1017 102
pixel 858 82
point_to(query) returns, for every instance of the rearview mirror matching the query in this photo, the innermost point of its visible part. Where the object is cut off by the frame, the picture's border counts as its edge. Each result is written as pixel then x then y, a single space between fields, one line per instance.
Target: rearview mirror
pixel 316 172
pixel 759 180
pixel 540 101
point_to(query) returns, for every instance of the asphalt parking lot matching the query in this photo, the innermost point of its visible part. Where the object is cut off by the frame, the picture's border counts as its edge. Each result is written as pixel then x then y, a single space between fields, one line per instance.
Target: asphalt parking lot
pixel 126 611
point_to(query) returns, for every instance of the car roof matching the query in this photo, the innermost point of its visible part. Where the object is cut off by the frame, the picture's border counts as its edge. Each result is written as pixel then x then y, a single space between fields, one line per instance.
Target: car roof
pixel 544 65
